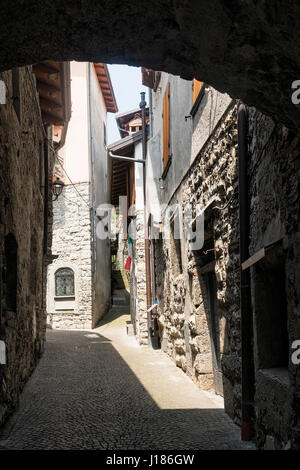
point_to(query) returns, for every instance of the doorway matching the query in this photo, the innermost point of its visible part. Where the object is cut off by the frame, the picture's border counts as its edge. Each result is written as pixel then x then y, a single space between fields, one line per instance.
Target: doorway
pixel 214 331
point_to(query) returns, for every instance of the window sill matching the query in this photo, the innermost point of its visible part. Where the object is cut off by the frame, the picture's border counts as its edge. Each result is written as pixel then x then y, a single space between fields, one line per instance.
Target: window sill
pixel 166 169
pixel 64 297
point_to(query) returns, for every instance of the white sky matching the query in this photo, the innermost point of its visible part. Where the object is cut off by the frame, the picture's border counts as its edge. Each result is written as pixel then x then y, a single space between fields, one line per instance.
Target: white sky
pixel 127 85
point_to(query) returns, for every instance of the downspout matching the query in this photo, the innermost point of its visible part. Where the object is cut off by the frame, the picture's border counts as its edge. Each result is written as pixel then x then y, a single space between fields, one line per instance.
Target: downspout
pixel 147 251
pixel 245 292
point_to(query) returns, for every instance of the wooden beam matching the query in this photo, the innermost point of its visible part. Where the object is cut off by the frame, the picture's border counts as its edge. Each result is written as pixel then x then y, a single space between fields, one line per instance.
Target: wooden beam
pixel 47 89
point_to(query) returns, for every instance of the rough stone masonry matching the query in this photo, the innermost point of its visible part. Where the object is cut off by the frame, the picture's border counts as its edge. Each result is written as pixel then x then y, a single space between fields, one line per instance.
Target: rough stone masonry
pixel 274 176
pixel 247 49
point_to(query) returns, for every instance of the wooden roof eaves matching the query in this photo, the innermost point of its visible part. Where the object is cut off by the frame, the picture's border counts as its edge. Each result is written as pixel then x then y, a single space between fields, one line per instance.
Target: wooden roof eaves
pixel 105 79
pixel 125 142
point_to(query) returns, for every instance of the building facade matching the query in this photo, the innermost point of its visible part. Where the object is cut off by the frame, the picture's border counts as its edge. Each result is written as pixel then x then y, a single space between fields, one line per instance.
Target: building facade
pixel 78 292
pixel 27 154
pixel 127 182
pixel 227 311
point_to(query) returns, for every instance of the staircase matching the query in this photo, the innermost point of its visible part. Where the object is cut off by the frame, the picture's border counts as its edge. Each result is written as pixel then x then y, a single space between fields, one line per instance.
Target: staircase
pixel 120 296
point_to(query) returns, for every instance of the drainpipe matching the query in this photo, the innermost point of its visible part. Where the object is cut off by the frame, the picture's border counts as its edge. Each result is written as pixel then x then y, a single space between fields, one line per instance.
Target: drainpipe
pixel 245 292
pixel 147 249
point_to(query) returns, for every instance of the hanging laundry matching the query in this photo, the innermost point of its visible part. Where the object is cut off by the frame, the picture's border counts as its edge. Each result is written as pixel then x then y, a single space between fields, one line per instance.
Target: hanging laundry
pixel 128 263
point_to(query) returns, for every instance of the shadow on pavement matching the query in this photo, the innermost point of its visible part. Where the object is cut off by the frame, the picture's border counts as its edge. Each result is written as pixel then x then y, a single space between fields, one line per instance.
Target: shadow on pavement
pixel 83 395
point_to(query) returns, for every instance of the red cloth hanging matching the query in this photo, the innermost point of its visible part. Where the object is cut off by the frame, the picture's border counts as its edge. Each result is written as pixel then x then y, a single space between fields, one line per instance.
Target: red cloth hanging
pixel 128 263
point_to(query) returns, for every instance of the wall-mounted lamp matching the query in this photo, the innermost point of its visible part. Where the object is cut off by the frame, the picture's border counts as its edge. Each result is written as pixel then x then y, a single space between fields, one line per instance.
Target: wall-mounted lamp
pixel 57 187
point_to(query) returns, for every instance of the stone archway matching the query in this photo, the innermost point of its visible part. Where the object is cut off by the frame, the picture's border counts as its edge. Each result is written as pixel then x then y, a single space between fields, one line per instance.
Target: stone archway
pixel 247 48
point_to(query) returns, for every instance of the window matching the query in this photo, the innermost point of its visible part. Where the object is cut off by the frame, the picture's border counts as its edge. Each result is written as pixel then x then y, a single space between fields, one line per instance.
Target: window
pixel 64 283
pixel 166 129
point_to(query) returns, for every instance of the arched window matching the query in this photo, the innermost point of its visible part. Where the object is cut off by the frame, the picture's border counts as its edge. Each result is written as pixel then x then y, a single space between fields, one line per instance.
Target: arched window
pixel 11 272
pixel 64 283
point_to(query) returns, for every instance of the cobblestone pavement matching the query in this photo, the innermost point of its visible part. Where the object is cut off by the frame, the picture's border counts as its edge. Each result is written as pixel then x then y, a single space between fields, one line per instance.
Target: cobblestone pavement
pixel 99 390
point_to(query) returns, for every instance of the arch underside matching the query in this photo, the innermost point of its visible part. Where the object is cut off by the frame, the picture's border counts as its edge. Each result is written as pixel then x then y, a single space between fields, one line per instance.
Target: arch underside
pixel 248 49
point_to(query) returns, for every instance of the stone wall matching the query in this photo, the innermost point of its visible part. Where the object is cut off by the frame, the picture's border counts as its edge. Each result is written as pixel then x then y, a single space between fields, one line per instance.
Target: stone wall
pixel 224 43
pixel 24 251
pixel 274 175
pixel 72 245
pixel 140 276
pixel 190 333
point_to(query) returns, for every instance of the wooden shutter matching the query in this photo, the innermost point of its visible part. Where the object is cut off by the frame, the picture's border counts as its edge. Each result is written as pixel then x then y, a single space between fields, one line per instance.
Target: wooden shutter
pixel 196 89
pixel 166 126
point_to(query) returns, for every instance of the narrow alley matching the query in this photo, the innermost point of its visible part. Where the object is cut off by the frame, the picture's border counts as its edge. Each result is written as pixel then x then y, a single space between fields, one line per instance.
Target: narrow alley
pixel 150 226
pixel 98 390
